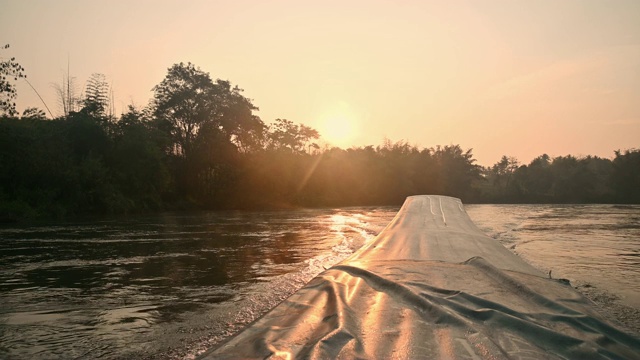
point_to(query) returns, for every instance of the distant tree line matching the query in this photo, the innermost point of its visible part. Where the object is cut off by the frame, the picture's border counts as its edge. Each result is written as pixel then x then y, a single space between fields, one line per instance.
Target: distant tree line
pixel 564 179
pixel 199 145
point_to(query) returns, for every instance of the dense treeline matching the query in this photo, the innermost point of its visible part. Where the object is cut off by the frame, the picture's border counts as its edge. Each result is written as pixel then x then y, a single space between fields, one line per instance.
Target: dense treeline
pixel 199 145
pixel 564 179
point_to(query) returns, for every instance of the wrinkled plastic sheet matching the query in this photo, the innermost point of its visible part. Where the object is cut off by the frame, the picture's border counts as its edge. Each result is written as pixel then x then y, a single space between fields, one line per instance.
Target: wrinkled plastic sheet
pixel 432 286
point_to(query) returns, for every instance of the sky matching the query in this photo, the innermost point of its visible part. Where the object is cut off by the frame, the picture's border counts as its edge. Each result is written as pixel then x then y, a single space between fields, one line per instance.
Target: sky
pixel 510 77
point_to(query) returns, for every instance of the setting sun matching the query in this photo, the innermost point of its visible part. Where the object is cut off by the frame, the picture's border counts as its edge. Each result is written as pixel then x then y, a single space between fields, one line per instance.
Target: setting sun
pixel 337 130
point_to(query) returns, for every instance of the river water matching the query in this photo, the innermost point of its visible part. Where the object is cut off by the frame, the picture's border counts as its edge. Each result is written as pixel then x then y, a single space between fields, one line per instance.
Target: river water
pixel 172 285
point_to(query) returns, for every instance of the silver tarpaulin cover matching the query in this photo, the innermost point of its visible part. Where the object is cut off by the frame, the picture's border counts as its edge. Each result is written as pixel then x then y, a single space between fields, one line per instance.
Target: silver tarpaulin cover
pixel 432 286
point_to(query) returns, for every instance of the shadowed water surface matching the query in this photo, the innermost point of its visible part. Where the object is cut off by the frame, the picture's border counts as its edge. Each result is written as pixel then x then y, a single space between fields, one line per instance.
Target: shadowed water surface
pixel 171 285
pixel 161 285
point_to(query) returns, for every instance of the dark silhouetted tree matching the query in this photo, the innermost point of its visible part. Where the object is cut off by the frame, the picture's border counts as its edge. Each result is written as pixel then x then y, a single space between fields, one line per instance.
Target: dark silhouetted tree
pixel 187 99
pixel 535 180
pixel 10 71
pixel 96 96
pixel 208 124
pixel 286 135
pixel 503 171
pixel 137 162
pixel 625 177
pixel 457 171
pixel 499 185
pixel 34 113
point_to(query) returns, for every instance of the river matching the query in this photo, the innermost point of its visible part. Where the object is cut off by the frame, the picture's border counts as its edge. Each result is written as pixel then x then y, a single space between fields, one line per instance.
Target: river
pixel 172 285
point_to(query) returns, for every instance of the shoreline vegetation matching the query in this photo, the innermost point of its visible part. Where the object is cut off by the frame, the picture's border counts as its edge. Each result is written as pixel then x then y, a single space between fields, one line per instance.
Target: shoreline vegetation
pixel 199 145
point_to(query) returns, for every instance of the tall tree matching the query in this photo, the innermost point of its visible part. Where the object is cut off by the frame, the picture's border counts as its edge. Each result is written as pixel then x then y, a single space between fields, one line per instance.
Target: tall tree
pixel 136 161
pixel 500 178
pixel 187 99
pixel 235 118
pixel 536 179
pixel 207 122
pixel 96 95
pixel 626 176
pixel 286 135
pixel 458 171
pixel 10 71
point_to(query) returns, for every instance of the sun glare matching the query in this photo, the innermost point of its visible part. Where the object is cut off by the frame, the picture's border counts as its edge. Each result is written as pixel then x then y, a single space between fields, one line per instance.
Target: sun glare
pixel 338 129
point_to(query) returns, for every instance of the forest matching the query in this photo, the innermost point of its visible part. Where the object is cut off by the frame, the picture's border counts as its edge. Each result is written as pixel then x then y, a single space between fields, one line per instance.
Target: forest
pixel 199 145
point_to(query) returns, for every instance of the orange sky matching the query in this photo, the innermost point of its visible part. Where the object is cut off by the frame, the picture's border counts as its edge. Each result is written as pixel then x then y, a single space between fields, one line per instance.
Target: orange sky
pixel 509 77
